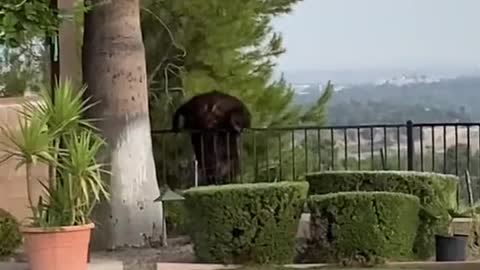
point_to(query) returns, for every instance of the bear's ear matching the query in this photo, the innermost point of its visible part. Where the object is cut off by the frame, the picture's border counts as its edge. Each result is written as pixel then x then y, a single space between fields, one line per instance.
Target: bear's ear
pixel 239 120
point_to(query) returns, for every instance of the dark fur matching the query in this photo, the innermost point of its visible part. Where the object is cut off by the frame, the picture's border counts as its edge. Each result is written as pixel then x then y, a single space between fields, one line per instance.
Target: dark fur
pixel 218 119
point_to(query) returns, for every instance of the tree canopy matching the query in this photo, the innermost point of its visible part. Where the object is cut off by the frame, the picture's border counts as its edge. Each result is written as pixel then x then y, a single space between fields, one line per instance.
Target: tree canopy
pixel 196 46
pixel 201 45
pixel 22 20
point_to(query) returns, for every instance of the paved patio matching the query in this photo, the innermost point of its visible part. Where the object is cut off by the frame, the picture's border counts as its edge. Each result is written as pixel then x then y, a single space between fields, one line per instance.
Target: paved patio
pixel 118 265
pixel 94 265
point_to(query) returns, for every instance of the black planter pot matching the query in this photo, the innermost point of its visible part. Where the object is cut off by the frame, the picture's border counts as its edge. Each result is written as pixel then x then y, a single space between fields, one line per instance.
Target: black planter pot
pixel 451 248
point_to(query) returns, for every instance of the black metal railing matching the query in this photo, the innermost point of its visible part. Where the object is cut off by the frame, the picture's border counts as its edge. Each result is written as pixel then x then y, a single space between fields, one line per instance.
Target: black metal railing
pixel 273 154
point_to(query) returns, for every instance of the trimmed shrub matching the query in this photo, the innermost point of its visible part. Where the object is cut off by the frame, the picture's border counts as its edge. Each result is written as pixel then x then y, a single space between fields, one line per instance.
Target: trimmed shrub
pixel 362 227
pixel 245 223
pixel 416 183
pixel 436 192
pixel 10 236
pixel 175 218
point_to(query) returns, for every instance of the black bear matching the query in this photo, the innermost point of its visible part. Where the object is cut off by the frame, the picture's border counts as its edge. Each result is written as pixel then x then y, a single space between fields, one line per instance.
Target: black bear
pixel 215 120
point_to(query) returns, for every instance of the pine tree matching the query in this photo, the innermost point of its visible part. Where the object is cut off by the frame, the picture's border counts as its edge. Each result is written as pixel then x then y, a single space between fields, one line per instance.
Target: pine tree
pixel 196 46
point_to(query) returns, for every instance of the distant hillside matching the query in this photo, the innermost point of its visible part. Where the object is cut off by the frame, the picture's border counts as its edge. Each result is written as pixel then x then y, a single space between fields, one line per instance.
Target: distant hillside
pixel 393 101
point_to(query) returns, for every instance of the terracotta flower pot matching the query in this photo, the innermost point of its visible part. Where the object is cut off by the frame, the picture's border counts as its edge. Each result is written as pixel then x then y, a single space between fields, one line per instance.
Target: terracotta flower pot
pixel 59 248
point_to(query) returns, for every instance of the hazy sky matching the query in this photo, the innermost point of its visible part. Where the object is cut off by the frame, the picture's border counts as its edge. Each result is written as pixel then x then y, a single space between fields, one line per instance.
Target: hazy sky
pixel 360 34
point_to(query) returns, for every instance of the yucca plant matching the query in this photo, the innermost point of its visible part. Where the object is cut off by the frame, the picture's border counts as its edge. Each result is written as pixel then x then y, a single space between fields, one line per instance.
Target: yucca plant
pixel 55 133
pixel 64 112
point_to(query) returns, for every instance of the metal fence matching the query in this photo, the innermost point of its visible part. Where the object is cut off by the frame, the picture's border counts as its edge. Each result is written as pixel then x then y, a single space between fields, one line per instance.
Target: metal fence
pixel 287 153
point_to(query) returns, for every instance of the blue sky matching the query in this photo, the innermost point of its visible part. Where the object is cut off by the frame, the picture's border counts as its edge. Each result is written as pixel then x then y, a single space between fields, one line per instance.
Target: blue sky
pixel 378 34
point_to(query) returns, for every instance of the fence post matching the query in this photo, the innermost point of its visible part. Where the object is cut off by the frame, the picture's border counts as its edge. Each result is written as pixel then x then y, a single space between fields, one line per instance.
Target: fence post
pixel 410 145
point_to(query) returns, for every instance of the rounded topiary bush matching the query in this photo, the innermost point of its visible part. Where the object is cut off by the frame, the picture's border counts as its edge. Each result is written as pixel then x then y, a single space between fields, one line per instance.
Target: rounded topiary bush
pixel 429 187
pixel 436 192
pixel 245 223
pixel 362 227
pixel 10 236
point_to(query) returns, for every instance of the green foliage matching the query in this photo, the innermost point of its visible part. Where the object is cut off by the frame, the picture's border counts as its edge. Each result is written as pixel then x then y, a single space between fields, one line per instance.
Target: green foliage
pixel 23 68
pixel 448 100
pixel 10 236
pixel 25 56
pixel 245 223
pixel 224 45
pixel 317 111
pixel 391 112
pixel 277 155
pixel 176 217
pixel 53 132
pixel 363 227
pixel 436 192
pixel 22 20
pixel 432 188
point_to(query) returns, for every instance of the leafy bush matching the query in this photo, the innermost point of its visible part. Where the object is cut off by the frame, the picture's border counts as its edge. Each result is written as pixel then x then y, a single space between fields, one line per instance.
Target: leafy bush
pixel 436 192
pixel 10 236
pixel 53 132
pixel 245 223
pixel 175 217
pixel 362 227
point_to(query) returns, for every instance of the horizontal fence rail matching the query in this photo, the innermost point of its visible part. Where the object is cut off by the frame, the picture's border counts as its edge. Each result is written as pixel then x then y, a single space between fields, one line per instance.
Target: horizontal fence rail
pixel 287 153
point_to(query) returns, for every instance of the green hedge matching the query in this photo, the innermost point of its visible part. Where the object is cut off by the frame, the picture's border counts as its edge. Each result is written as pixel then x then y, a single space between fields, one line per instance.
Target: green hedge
pixel 362 227
pixel 245 223
pixel 10 236
pixel 436 192
pixel 175 218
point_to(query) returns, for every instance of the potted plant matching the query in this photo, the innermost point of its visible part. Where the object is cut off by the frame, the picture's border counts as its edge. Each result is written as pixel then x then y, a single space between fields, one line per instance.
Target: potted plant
pixel 454 246
pixel 53 132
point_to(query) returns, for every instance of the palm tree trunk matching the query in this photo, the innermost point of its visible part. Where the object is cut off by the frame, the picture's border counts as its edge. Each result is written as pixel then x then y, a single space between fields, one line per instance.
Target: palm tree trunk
pixel 114 70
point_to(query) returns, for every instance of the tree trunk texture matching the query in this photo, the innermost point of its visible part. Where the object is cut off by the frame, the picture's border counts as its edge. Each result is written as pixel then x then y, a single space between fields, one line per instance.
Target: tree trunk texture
pixel 114 70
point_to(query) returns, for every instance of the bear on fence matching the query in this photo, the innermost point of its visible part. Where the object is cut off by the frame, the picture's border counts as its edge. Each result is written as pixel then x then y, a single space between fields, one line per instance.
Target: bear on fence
pixel 215 120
